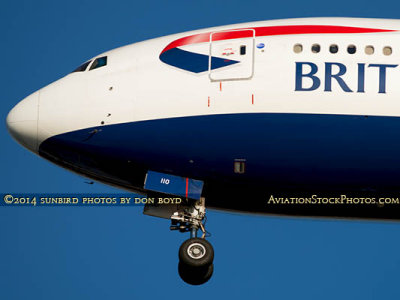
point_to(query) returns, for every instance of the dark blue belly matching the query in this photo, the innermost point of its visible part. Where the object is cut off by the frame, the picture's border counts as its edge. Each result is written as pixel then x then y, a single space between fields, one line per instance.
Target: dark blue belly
pixel 282 152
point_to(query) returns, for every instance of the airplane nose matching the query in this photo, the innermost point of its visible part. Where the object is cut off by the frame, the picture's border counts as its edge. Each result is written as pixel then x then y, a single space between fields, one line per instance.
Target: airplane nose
pixel 22 122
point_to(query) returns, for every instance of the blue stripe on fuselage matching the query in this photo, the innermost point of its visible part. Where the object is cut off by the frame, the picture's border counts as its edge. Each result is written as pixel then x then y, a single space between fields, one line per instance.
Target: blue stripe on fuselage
pixel 193 62
pixel 281 150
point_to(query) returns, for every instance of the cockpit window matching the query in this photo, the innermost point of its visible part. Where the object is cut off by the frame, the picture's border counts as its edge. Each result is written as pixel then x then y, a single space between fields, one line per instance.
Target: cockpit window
pixel 82 67
pixel 99 62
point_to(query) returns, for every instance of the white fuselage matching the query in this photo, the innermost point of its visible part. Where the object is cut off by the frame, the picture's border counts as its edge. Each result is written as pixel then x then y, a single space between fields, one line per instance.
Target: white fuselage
pixel 255 69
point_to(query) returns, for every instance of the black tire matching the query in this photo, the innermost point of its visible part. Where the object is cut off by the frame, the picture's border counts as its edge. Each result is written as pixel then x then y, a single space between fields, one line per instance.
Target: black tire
pixel 195 275
pixel 196 252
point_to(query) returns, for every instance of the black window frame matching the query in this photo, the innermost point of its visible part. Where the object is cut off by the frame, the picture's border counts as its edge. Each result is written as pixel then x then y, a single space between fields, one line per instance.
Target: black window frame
pixel 83 67
pixel 95 65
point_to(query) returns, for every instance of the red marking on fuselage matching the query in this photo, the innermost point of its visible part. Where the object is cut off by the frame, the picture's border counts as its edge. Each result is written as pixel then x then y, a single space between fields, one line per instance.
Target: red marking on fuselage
pixel 187 186
pixel 269 31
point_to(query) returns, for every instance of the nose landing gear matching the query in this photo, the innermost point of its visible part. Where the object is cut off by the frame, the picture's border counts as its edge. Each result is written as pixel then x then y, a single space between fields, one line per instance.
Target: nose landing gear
pixel 196 255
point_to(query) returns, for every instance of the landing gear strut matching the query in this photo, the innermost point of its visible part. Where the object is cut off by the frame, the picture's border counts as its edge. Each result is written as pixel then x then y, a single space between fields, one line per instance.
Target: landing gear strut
pixel 196 255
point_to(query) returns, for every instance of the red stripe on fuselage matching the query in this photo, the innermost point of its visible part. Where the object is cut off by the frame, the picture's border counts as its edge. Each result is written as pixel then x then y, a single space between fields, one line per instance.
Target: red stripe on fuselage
pixel 187 186
pixel 267 31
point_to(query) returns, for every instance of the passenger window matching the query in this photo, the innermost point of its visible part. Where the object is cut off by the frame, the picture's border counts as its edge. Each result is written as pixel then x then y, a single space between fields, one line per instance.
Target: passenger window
pixel 297 48
pixel 99 62
pixel 387 50
pixel 351 49
pixel 333 49
pixel 369 50
pixel 82 67
pixel 315 48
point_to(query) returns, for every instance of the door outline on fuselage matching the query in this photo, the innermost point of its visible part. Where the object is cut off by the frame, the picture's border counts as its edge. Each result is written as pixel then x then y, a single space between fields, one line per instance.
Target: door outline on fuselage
pixel 251 61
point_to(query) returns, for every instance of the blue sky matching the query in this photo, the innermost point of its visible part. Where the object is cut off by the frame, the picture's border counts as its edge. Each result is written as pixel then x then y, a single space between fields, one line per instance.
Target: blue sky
pixel 116 252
